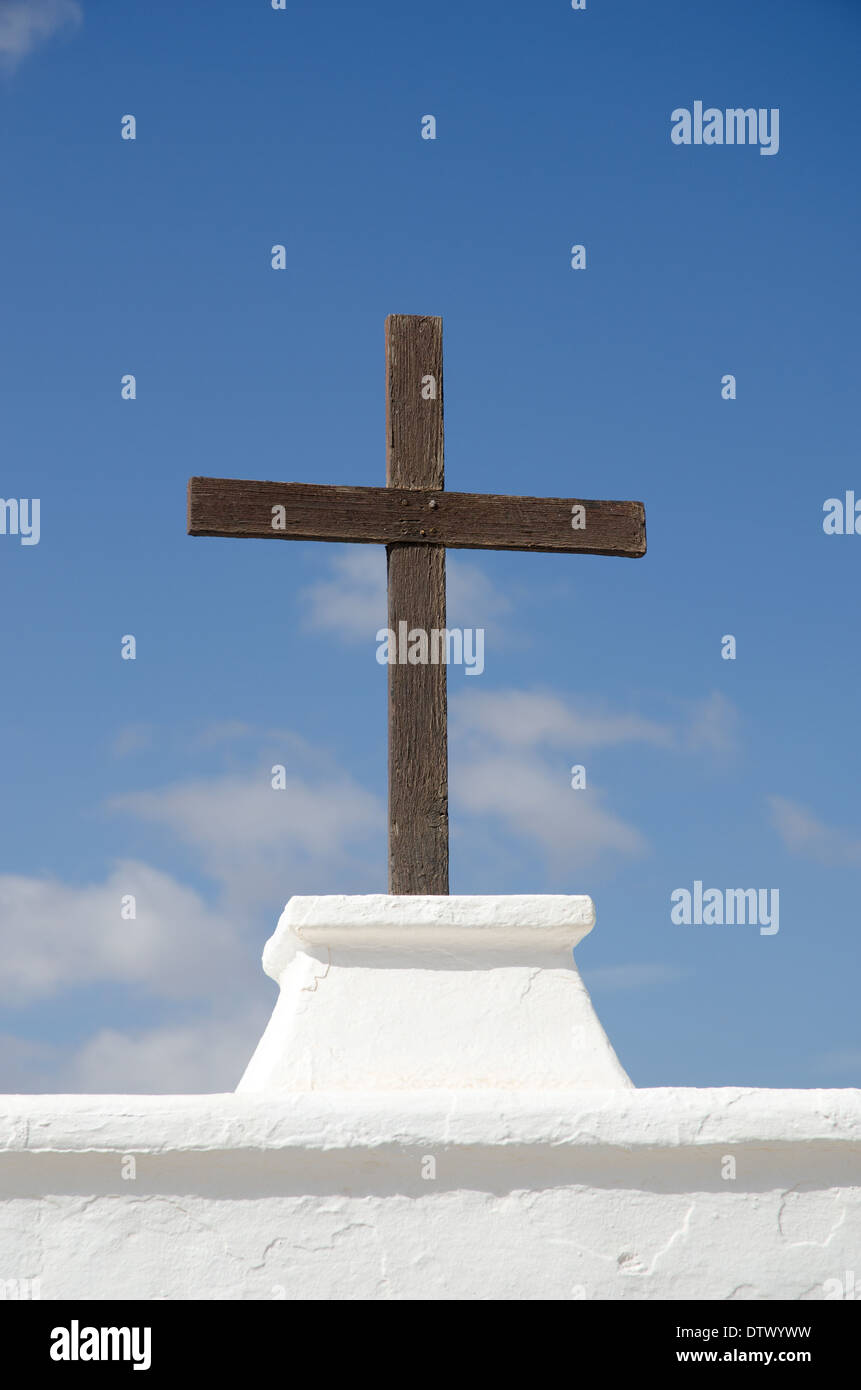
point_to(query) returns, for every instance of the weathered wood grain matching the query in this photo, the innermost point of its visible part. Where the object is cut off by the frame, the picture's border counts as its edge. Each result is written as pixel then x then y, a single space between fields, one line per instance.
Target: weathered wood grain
pixel 417 521
pixel 415 455
pixel 423 516
pixel 418 725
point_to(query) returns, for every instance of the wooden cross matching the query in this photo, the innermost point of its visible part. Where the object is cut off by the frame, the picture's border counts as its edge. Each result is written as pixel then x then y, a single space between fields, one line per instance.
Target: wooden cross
pixel 416 521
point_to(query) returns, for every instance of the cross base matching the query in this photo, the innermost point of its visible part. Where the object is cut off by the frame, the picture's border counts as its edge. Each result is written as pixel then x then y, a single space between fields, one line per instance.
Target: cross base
pixel 382 992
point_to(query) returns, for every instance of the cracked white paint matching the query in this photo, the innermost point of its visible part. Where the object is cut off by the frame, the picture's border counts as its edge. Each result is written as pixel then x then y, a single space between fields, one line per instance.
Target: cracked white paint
pixel 455 1029
pixel 810 1217
pixel 608 1194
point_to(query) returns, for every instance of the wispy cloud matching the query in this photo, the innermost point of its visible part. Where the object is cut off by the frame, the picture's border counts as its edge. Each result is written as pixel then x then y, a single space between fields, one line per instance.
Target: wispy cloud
pixel 24 24
pixel 224 731
pixel 510 750
pixel 204 1055
pixel 710 724
pixel 805 835
pixel 535 804
pixel 260 843
pixel 131 739
pixel 351 601
pixel 208 1054
pixel 182 955
pixel 56 936
pixel 532 719
pixel 505 769
pixel 535 718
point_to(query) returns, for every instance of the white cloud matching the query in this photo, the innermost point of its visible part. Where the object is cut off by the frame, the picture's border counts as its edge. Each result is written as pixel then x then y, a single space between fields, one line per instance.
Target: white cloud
pixel 55 937
pixel 259 843
pixel 500 769
pixel 536 803
pixel 351 602
pixel 803 834
pixel 506 766
pixel 175 1058
pixel 186 1058
pixel 223 731
pixel 26 23
pixel 132 738
pixel 472 600
pixel 711 724
pixel 323 834
pixel 530 719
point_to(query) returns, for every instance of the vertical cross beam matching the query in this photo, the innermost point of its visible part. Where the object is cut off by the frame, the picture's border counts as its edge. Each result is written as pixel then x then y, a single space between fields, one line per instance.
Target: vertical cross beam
pixel 418 752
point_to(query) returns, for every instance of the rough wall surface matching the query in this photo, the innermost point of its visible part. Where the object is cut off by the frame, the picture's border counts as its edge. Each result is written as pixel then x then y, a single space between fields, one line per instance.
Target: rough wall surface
pixel 622 1194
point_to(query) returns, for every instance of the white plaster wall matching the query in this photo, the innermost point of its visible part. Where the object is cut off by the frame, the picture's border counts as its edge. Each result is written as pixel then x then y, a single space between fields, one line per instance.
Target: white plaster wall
pixel 606 1194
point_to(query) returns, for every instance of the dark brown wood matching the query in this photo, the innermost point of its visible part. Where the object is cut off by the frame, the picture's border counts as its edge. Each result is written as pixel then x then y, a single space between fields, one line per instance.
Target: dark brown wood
pixel 424 516
pixel 415 455
pixel 418 725
pixel 417 521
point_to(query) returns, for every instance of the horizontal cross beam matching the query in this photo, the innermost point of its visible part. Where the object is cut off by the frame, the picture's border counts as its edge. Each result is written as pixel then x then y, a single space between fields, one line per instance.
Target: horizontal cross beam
pixel 418 516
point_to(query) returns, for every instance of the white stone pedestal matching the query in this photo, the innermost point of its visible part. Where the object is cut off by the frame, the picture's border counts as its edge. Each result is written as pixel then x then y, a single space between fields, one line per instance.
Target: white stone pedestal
pixel 414 993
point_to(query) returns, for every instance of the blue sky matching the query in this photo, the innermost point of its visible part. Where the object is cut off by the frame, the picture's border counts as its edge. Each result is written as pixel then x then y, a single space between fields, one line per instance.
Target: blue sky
pixel 257 127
